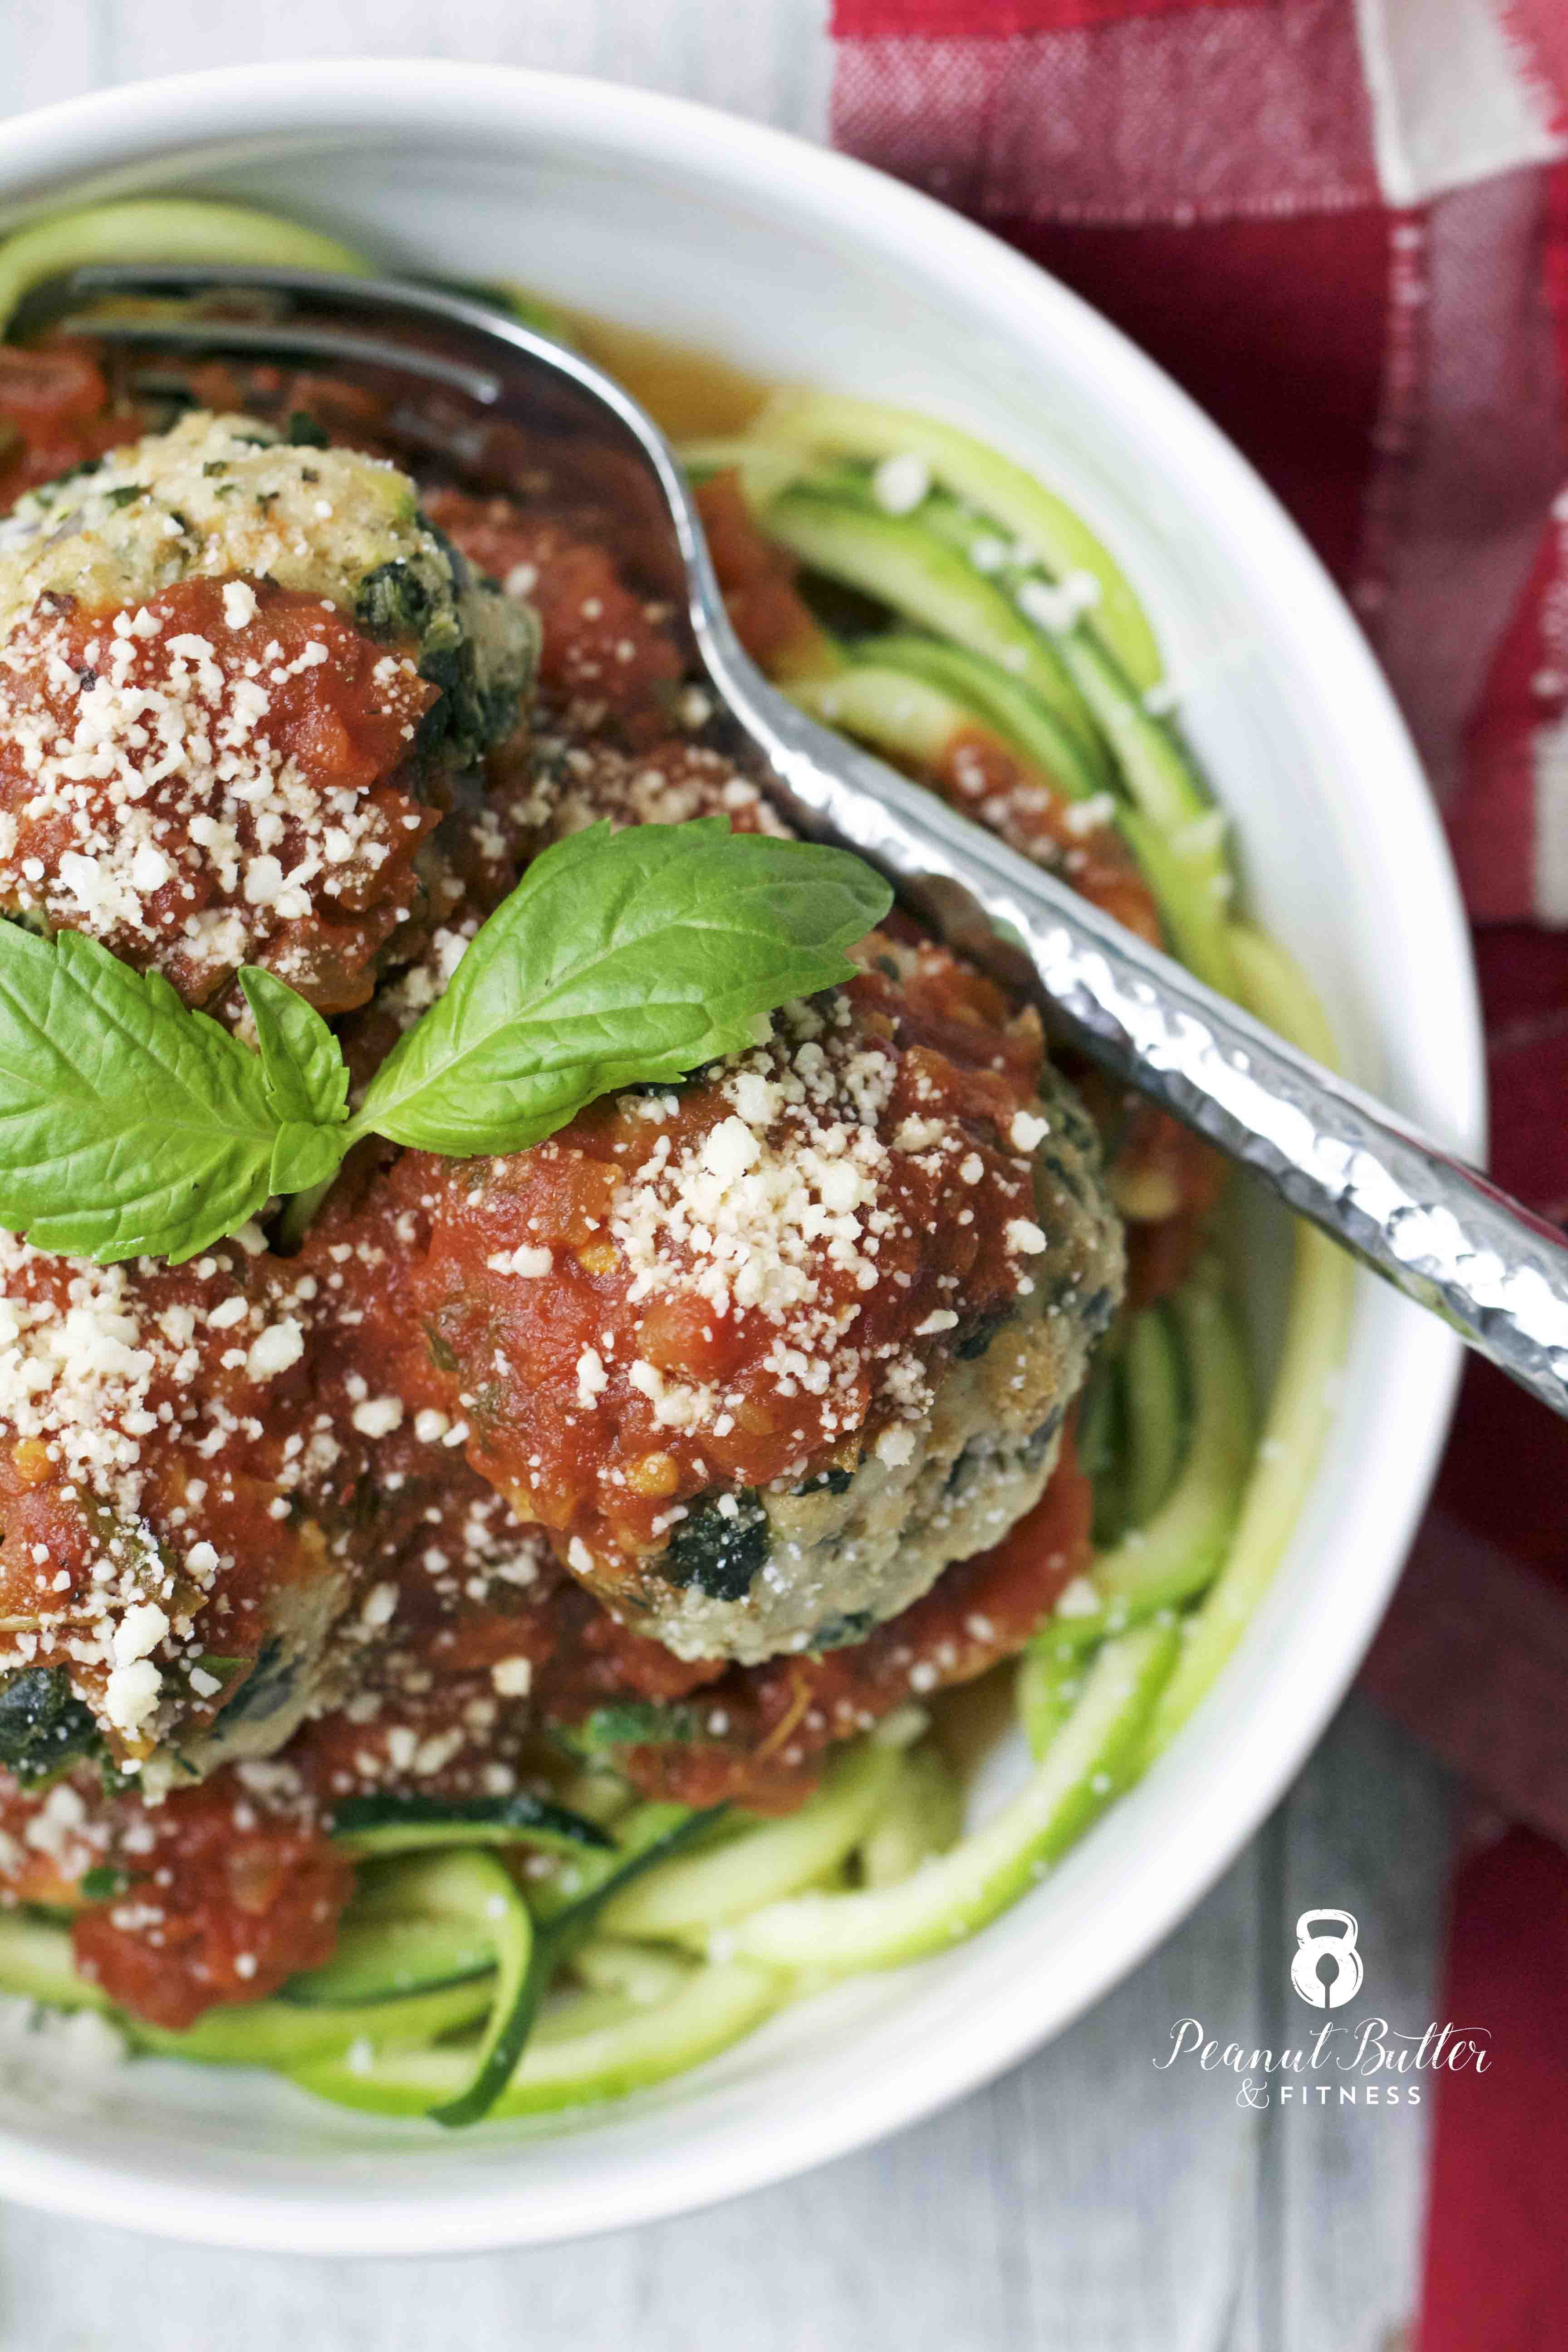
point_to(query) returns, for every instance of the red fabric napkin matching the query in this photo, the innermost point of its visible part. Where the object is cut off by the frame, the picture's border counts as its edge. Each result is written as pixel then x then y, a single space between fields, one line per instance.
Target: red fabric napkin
pixel 1343 225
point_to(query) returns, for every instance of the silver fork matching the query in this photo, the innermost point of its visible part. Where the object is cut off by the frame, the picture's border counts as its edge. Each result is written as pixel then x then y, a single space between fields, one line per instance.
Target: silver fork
pixel 1435 1227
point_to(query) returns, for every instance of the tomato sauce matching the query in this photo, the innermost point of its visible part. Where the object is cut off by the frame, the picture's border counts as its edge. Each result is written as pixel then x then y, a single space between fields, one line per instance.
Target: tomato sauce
pixel 756 1734
pixel 758 577
pixel 53 405
pixel 309 870
pixel 220 1899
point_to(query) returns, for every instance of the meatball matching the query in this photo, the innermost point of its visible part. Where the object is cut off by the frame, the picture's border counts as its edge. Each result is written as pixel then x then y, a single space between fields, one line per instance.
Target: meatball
pixel 221 496
pixel 236 677
pixel 815 1566
pixel 763 1353
pixel 178 1532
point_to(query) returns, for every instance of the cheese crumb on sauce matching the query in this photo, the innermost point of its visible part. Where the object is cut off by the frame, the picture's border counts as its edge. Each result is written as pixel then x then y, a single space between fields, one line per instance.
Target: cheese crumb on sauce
pixel 378 1416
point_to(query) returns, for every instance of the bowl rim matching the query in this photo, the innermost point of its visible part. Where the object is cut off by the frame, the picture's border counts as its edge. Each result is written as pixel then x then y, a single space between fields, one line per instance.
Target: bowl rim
pixel 113 139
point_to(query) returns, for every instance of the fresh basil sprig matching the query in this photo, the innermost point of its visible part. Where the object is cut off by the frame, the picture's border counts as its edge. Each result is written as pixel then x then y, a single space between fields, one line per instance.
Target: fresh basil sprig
pixel 131 1125
pixel 620 958
pixel 128 1124
pixel 304 1078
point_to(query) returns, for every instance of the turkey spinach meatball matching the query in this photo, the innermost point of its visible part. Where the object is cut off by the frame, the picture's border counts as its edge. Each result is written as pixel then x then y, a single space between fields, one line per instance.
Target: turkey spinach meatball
pixel 161 1559
pixel 236 676
pixel 763 1354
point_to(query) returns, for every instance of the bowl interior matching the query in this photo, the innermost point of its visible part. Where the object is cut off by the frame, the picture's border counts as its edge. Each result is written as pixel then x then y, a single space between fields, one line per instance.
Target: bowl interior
pixel 801 266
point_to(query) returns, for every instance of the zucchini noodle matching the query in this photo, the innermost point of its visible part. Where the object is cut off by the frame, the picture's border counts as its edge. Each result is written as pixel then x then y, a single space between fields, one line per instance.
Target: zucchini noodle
pixel 641 1938
pixel 162 228
pixel 1303 1403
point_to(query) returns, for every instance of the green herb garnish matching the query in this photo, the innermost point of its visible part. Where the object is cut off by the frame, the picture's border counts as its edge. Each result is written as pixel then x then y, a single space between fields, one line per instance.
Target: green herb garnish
pixel 131 1125
pixel 43 1724
pixel 127 1123
pixel 102 1883
pixel 637 1723
pixel 620 957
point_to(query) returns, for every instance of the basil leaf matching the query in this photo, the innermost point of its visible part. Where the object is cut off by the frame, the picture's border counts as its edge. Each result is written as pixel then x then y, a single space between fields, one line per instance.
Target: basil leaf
pixel 304 1157
pixel 306 1081
pixel 302 1066
pixel 129 1125
pixel 619 958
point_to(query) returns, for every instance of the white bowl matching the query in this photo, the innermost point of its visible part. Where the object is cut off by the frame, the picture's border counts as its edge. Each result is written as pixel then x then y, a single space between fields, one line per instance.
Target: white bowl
pixel 799 264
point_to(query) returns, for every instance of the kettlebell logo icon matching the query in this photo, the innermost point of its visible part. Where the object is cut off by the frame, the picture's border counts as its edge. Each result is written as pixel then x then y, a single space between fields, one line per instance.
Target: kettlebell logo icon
pixel 1327 1970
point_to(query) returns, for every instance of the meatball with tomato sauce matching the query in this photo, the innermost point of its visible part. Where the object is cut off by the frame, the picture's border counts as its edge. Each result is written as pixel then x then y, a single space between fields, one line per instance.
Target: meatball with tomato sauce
pixel 180 1520
pixel 764 1352
pixel 237 680
pixel 609 657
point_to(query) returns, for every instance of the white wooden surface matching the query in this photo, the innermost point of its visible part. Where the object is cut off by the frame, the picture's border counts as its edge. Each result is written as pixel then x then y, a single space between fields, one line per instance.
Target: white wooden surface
pixel 1088 2203
pixel 767 58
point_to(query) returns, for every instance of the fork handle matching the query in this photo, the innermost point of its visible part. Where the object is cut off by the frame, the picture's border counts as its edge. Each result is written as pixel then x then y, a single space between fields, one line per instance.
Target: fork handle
pixel 1433 1225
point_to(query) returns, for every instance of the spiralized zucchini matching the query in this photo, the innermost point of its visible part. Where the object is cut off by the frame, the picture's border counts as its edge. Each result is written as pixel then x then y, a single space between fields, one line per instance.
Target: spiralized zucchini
pixel 162 228
pixel 642 1938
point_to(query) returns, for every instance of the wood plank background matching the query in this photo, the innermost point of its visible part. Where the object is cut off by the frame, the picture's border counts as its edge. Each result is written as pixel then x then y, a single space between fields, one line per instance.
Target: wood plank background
pixel 1088 2203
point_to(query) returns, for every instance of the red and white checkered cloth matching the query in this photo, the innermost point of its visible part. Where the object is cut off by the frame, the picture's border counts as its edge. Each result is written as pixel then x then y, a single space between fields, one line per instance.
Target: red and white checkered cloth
pixel 1343 224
